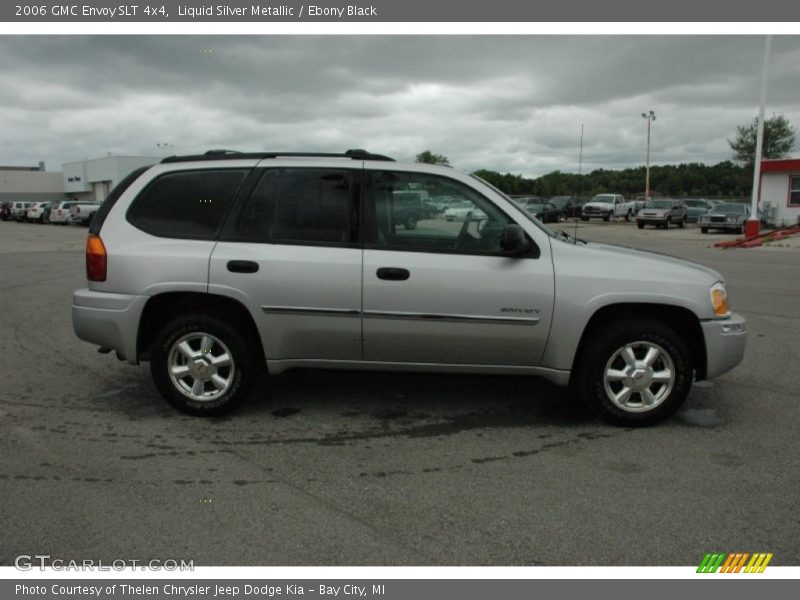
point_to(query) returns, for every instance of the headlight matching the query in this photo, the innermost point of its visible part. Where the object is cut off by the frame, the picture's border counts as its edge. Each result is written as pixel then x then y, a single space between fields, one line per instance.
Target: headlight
pixel 719 300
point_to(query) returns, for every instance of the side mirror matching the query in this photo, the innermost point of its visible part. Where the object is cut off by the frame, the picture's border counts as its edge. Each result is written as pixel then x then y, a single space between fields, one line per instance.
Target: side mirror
pixel 513 241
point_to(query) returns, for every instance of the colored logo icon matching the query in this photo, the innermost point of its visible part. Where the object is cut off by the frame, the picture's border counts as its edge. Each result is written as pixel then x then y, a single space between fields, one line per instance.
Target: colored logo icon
pixel 734 562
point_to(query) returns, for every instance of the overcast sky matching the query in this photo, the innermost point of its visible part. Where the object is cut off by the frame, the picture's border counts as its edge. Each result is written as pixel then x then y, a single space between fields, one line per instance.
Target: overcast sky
pixel 505 103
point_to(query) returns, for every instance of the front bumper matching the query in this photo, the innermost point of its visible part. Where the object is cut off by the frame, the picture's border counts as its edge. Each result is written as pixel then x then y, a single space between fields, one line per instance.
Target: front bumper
pixel 651 220
pixel 108 320
pixel 721 225
pixel 725 342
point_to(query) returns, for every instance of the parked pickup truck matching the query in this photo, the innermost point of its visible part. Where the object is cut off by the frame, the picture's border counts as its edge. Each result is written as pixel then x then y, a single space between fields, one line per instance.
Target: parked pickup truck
pixel 83 212
pixel 606 206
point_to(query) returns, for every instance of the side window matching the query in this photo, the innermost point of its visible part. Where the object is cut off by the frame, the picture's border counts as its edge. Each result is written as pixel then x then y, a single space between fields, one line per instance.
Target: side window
pixel 186 204
pixel 794 191
pixel 314 206
pixel 416 211
pixel 255 220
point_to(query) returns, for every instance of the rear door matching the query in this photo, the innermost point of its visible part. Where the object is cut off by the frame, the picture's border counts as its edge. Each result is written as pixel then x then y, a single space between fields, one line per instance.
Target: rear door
pixel 290 253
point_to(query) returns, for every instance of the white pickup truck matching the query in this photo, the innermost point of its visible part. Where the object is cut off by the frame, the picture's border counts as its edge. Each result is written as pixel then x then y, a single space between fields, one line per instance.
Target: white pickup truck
pixel 606 206
pixel 83 212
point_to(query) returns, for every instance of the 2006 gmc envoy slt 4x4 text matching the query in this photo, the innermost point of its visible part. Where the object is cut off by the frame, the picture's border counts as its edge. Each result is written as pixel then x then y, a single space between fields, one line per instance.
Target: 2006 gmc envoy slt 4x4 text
pixel 213 266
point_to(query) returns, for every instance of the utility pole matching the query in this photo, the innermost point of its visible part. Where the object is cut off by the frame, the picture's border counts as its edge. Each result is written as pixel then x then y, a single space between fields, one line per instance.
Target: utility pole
pixel 752 226
pixel 650 116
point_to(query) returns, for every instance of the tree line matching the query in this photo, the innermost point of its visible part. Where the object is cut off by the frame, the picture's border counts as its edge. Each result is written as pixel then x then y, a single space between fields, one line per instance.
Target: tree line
pixel 723 180
pixel 690 180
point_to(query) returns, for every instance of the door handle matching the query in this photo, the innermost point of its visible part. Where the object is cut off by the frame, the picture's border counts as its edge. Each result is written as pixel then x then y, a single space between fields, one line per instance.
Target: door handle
pixel 393 274
pixel 242 266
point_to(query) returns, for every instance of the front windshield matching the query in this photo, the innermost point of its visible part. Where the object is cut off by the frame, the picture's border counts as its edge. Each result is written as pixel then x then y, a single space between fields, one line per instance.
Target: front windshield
pixel 659 204
pixel 603 199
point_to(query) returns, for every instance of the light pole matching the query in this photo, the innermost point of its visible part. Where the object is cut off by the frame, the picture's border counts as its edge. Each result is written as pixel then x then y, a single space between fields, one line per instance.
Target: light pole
pixel 752 226
pixel 649 116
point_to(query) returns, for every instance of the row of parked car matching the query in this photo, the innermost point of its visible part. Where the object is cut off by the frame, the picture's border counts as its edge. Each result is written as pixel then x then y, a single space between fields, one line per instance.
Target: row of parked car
pixel 62 212
pixel 658 212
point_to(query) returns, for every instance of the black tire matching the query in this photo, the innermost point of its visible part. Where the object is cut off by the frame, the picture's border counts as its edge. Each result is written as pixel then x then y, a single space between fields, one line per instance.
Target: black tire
pixel 704 230
pixel 584 218
pixel 640 332
pixel 628 217
pixel 640 225
pixel 242 373
pixel 682 223
pixel 668 223
pixel 410 223
pixel 607 216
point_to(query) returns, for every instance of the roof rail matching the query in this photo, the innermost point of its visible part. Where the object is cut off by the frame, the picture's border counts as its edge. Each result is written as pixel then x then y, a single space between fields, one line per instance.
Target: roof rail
pixel 221 151
pixel 221 154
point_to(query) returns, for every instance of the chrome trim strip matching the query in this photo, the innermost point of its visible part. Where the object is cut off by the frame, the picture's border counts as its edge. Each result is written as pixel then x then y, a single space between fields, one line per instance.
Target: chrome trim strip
pixel 308 310
pixel 399 315
pixel 374 314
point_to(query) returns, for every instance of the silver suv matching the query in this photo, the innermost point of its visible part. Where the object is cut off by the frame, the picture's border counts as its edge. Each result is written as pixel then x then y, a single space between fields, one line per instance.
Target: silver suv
pixel 213 266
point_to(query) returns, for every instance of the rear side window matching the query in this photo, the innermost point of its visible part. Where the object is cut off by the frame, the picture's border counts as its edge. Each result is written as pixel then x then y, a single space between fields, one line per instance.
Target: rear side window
pixel 301 206
pixel 187 204
pixel 314 206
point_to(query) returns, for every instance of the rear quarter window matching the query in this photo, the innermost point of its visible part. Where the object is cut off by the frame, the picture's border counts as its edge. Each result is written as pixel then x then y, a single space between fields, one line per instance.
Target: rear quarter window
pixel 186 204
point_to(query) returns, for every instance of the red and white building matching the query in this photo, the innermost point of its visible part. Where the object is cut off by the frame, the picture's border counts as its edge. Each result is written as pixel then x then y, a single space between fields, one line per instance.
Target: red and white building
pixel 779 193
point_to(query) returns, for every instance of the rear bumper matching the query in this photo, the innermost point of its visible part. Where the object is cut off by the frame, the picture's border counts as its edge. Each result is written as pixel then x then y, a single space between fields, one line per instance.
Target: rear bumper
pixel 725 343
pixel 108 320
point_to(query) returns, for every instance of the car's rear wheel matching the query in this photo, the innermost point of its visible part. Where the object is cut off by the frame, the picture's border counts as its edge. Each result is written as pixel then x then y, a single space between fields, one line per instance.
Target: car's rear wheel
pixel 410 223
pixel 635 374
pixel 682 223
pixel 203 365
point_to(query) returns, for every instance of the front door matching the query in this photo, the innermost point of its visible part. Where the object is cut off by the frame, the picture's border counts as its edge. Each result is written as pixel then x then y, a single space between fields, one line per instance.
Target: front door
pixel 442 292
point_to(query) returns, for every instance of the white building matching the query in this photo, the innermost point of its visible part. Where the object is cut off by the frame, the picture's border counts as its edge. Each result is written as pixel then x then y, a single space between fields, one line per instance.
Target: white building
pixel 30 184
pixel 779 192
pixel 93 179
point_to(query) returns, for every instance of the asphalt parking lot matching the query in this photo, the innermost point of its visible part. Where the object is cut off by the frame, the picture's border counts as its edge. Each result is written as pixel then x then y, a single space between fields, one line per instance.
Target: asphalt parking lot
pixel 375 469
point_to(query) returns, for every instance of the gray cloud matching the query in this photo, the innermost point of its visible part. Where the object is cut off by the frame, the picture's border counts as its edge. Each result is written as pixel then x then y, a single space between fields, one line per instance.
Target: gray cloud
pixel 509 103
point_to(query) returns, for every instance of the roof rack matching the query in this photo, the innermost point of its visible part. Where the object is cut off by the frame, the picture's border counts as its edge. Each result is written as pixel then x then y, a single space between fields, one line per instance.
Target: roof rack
pixel 221 154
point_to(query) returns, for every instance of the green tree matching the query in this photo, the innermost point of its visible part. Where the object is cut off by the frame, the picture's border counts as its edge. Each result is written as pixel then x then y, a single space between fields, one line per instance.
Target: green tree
pixel 779 137
pixel 432 159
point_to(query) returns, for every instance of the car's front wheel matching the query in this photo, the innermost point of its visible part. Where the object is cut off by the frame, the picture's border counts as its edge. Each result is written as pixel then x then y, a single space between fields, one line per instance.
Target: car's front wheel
pixel 704 230
pixel 203 365
pixel 635 374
